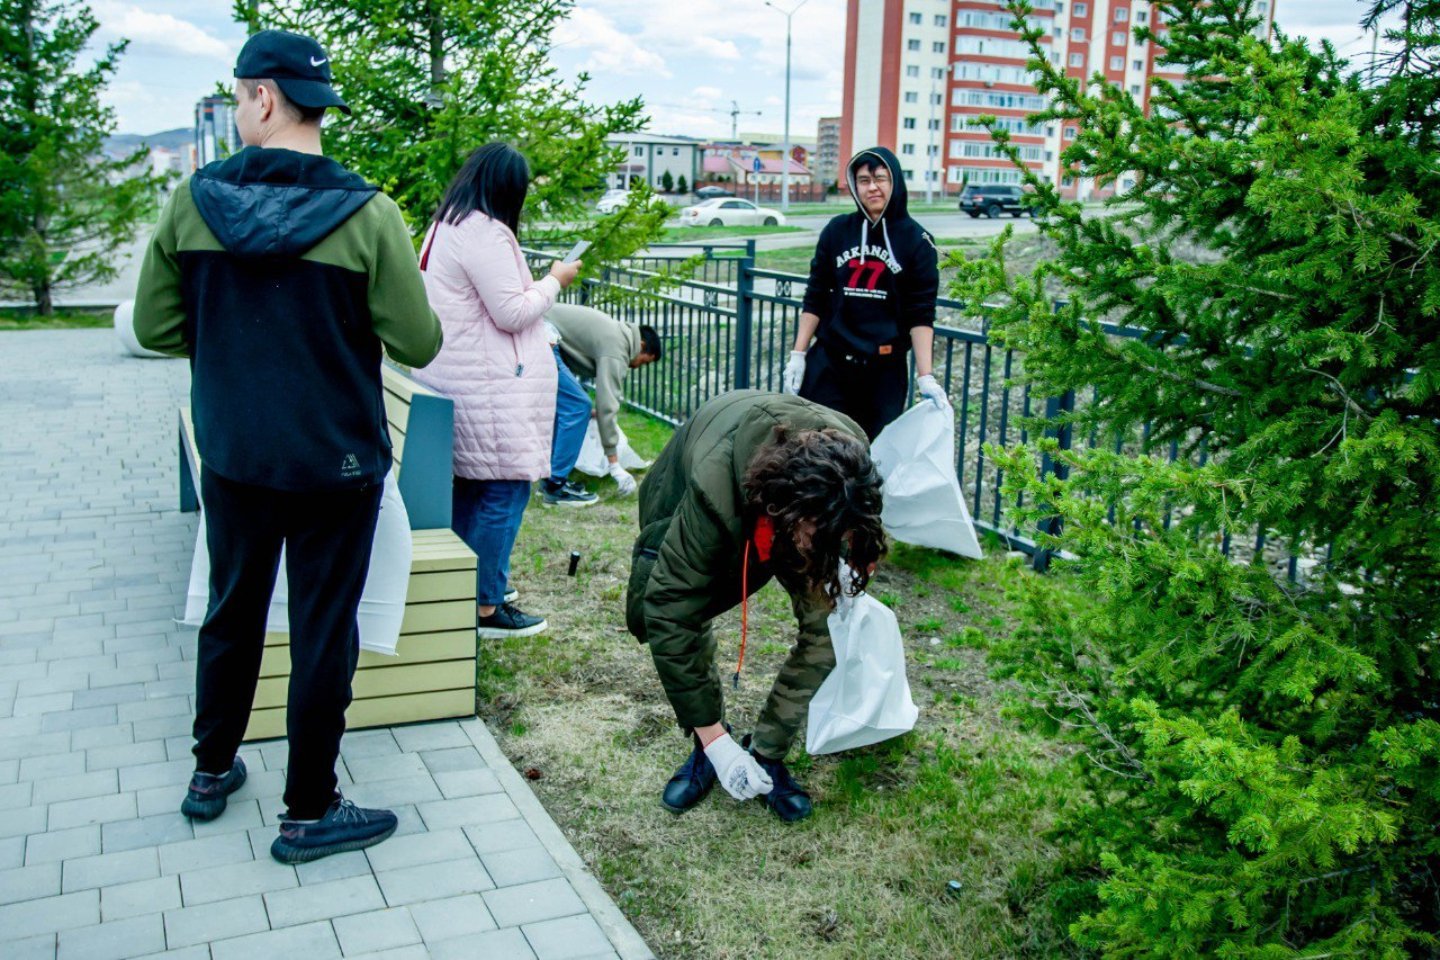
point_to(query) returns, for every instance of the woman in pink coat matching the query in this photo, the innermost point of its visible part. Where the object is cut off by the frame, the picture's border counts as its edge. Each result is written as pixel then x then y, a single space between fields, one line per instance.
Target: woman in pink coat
pixel 496 365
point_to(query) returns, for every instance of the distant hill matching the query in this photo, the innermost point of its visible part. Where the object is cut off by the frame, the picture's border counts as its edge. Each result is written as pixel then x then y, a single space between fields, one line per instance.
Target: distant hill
pixel 122 143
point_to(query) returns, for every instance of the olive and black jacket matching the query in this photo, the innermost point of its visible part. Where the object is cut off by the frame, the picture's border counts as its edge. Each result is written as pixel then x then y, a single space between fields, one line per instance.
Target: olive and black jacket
pixel 872 282
pixel 693 537
pixel 280 275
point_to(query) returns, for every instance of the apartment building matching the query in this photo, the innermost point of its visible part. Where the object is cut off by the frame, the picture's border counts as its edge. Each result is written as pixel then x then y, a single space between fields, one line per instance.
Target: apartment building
pixel 827 160
pixel 919 72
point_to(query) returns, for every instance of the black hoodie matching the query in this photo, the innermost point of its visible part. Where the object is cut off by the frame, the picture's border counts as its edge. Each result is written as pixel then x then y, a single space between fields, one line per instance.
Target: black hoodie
pixel 280 275
pixel 872 282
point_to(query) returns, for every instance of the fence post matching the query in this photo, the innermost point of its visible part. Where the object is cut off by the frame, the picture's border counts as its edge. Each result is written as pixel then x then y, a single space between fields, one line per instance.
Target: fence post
pixel 1054 407
pixel 744 316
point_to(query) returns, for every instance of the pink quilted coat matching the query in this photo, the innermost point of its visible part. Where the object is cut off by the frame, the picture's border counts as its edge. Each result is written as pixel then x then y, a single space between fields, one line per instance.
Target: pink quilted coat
pixel 496 363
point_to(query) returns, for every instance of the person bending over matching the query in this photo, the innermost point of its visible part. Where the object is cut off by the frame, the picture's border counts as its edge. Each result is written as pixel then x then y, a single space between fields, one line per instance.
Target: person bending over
pixel 596 345
pixel 754 486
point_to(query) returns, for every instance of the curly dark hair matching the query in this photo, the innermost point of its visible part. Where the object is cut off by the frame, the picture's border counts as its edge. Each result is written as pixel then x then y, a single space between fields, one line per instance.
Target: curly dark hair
pixel 824 477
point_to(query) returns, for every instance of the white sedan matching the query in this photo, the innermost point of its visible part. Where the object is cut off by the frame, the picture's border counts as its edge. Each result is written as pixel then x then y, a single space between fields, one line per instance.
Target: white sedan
pixel 615 199
pixel 730 212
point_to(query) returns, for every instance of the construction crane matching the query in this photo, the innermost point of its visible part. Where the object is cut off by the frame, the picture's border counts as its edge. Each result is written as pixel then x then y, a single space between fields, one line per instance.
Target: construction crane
pixel 735 113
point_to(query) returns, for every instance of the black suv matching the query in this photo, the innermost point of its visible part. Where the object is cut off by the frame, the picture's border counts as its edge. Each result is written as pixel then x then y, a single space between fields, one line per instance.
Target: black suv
pixel 993 200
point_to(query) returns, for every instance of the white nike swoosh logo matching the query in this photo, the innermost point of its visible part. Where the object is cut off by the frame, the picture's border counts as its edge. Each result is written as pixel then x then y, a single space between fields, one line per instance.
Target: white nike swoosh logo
pixel 320 62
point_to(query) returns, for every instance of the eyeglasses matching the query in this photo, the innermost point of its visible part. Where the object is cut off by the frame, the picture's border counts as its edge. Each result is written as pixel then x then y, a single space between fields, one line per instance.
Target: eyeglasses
pixel 864 182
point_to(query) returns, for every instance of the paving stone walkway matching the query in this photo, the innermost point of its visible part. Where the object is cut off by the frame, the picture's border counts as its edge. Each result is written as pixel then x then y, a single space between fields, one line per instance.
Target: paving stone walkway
pixel 96 688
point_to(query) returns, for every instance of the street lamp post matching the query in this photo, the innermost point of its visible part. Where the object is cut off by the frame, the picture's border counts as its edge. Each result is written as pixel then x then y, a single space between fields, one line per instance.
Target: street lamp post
pixel 785 160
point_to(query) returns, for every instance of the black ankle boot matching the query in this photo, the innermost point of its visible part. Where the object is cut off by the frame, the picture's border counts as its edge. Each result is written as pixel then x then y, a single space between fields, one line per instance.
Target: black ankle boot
pixel 691 782
pixel 787 798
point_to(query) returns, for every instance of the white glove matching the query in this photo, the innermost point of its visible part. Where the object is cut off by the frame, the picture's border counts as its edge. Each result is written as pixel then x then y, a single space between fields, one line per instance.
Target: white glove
pixel 931 390
pixel 623 479
pixel 739 774
pixel 794 372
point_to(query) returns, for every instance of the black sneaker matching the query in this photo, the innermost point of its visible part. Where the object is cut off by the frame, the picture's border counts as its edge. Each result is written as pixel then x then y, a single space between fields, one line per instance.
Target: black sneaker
pixel 344 827
pixel 205 800
pixel 567 494
pixel 691 783
pixel 787 798
pixel 509 620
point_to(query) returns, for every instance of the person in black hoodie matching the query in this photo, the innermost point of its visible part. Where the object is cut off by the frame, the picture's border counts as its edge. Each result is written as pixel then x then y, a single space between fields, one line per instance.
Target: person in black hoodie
pixel 870 300
pixel 281 275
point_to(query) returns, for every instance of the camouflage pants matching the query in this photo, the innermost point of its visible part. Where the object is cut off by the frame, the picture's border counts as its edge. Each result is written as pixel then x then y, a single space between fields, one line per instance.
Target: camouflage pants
pixel 810 662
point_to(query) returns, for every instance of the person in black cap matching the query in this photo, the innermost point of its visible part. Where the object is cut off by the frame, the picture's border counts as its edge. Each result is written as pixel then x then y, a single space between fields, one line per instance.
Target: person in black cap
pixel 282 276
pixel 869 302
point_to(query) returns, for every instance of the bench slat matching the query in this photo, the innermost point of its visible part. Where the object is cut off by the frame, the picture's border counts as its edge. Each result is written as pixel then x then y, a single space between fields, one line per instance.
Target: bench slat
pixel 416 648
pixel 377 712
pixel 385 682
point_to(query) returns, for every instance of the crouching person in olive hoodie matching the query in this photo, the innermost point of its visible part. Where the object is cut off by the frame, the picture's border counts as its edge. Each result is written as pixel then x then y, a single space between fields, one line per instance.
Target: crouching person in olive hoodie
pixel 754 486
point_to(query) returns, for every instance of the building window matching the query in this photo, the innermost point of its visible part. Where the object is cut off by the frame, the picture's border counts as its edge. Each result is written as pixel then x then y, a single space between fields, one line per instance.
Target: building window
pixel 1067 182
pixel 1077 59
pixel 936 99
pixel 934 124
pixel 912 97
pixel 1142 17
pixel 916 19
pixel 913 45
pixel 938 46
pixel 1117 39
pixel 1080 11
pixel 937 73
pixel 674 151
pixel 1117 63
pixel 1134 89
pixel 1069 133
pixel 1137 65
pixel 639 151
pixel 912 71
pixel 907 149
pixel 1122 14
pixel 1078 34
pixel 939 19
pixel 908 174
pixel 909 123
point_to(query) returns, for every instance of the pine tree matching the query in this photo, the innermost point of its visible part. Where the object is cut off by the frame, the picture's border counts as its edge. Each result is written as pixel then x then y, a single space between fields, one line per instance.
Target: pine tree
pixel 667 182
pixel 431 80
pixel 1260 757
pixel 65 208
pixel 682 185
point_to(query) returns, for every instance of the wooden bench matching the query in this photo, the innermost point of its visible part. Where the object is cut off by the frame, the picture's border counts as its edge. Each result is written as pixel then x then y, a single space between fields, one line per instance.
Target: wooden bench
pixel 433 677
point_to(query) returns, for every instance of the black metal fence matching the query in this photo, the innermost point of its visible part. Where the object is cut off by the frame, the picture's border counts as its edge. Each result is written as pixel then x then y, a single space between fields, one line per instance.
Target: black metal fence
pixel 731 325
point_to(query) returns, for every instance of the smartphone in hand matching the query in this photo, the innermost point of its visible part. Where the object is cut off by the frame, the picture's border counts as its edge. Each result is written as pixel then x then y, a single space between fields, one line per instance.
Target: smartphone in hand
pixel 576 252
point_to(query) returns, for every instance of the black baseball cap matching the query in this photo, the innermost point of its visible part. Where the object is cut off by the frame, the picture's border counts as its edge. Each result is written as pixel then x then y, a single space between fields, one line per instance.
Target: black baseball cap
pixel 297 65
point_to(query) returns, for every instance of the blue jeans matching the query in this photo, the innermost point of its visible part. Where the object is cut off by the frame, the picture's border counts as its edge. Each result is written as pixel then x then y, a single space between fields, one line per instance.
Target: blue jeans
pixel 572 419
pixel 486 515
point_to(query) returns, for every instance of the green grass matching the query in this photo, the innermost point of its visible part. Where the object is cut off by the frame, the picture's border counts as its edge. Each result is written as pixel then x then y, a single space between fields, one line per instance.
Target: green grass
pixel 64 318
pixel 966 796
pixel 693 234
pixel 797 259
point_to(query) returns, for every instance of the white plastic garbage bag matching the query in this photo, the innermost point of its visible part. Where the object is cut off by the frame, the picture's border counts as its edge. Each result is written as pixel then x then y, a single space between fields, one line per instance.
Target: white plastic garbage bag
pixel 382 605
pixel 125 332
pixel 923 502
pixel 866 698
pixel 592 454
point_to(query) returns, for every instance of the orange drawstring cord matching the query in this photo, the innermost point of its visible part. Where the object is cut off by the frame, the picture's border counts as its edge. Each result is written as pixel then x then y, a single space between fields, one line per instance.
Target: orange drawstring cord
pixel 744 614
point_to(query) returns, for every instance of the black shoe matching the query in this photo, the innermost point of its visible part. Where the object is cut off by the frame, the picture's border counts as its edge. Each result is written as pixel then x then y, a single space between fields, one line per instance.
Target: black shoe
pixel 205 800
pixel 344 827
pixel 691 783
pixel 509 620
pixel 787 798
pixel 567 494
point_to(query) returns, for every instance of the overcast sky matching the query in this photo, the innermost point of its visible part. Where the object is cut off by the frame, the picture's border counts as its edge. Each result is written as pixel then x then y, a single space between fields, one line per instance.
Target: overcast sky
pixel 687 58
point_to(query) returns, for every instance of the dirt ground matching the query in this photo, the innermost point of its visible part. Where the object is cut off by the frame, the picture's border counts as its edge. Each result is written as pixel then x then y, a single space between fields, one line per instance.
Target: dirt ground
pixel 965 797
